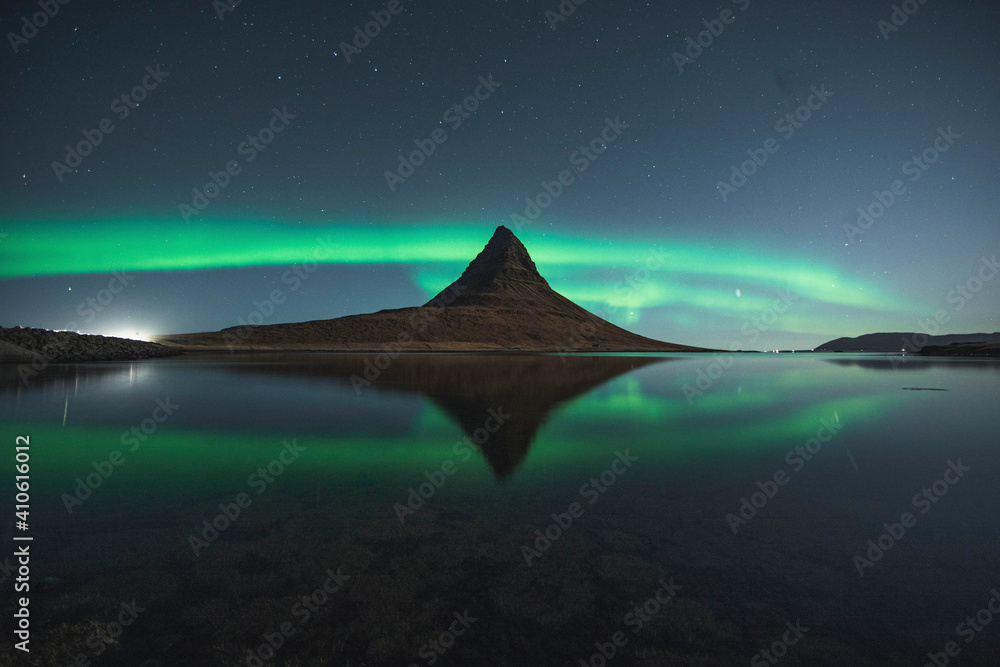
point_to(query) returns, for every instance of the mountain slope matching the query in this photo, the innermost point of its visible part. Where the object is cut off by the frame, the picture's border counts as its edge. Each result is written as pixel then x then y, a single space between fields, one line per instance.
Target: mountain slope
pixel 500 302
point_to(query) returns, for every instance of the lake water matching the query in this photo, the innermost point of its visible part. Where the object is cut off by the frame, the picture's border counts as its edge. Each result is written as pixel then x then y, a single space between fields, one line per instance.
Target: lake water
pixel 510 510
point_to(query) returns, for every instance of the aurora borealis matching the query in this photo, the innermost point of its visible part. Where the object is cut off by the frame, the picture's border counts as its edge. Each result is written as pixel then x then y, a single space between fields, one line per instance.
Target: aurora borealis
pixel 634 228
pixel 685 276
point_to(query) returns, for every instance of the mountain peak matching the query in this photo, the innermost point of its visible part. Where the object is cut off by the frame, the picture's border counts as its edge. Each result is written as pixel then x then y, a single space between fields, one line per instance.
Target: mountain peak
pixel 504 253
pixel 502 267
pixel 502 235
pixel 499 303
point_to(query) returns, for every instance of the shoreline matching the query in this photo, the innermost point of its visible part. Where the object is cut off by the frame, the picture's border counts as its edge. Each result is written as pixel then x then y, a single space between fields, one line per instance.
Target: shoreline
pixel 40 347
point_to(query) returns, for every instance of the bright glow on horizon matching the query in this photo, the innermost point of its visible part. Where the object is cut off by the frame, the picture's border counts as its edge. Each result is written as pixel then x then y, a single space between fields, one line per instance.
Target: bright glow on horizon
pixel 134 335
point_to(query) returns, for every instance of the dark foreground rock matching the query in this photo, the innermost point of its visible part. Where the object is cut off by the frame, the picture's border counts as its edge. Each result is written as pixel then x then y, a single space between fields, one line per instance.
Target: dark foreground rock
pixel 19 344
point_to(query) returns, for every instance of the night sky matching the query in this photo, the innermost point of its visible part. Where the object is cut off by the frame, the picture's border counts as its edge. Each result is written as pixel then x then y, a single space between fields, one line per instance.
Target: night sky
pixel 642 126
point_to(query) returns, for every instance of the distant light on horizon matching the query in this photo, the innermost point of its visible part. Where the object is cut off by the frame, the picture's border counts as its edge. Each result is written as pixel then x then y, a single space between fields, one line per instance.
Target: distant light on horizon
pixel 128 335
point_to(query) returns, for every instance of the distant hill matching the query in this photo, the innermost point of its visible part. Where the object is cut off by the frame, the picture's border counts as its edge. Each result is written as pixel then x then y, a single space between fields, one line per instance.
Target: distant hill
pixel 895 342
pixel 499 303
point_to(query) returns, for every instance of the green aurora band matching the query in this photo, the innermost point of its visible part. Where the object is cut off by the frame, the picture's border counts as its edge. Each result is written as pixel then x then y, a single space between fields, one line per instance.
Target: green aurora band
pixel 724 426
pixel 681 272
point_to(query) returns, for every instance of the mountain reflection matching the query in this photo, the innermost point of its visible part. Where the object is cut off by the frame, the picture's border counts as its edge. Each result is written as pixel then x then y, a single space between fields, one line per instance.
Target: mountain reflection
pixel 915 363
pixel 468 386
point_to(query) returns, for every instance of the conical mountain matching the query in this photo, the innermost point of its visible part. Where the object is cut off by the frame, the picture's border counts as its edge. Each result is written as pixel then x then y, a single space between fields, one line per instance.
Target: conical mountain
pixel 503 269
pixel 504 278
pixel 500 302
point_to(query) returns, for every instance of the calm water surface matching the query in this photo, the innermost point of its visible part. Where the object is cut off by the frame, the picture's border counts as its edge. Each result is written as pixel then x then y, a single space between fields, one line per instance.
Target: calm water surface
pixel 510 510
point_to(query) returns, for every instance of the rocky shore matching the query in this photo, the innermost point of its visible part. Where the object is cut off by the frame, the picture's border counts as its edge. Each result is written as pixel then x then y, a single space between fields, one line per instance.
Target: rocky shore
pixel 20 344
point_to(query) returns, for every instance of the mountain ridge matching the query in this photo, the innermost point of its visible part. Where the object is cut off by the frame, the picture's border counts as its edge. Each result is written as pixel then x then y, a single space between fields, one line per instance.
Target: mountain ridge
pixel 500 302
pixel 901 341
